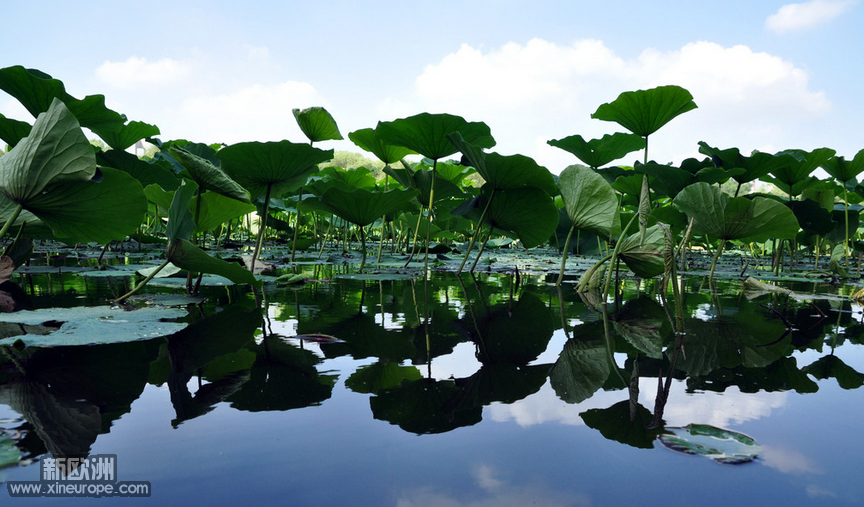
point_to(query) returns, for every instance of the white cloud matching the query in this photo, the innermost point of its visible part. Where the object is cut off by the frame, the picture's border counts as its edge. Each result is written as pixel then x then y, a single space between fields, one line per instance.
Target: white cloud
pixel 531 93
pixel 140 73
pixel 253 113
pixel 802 16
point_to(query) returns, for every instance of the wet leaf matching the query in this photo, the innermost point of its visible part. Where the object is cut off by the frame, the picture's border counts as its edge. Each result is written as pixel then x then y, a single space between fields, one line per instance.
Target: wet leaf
pixel 723 446
pixel 95 325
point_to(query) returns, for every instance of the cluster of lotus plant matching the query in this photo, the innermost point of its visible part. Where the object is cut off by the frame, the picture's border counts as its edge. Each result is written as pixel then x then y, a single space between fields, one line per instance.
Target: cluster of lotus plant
pixel 54 184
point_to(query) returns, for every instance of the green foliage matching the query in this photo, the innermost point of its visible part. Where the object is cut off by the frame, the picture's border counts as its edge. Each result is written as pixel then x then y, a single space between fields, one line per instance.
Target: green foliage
pixel 644 112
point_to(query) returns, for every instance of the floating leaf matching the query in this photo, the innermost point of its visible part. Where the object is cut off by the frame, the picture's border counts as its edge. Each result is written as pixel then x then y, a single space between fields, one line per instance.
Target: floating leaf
pixel 95 325
pixel 723 446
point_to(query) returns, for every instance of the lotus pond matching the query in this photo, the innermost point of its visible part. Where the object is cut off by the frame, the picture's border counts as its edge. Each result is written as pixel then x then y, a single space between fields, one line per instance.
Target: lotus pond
pixel 493 389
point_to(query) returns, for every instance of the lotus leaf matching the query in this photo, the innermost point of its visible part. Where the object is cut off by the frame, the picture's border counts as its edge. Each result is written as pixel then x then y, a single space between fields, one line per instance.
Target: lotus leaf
pixel 95 325
pixel 317 124
pixel 369 140
pixel 723 446
pixel 599 152
pixel 644 112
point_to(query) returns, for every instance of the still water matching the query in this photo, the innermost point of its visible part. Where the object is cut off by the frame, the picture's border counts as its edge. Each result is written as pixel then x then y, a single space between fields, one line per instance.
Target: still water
pixel 495 390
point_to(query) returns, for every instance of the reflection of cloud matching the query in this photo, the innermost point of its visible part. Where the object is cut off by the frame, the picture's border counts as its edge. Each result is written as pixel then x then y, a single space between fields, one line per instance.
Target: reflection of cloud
pixel 801 16
pixel 545 406
pixel 729 408
pixel 814 491
pixel 485 476
pixel 495 493
pixel 788 461
pixel 717 409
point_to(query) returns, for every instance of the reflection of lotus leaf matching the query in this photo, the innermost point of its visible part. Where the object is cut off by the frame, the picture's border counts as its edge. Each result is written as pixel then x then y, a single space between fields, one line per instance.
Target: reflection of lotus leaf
pixel 424 406
pixel 622 422
pixel 723 446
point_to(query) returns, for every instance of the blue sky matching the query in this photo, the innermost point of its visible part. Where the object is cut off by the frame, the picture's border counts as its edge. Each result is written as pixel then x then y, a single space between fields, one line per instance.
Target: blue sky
pixel 766 75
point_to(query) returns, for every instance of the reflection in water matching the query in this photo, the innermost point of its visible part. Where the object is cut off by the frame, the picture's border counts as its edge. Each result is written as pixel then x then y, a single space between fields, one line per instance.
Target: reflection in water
pixel 526 352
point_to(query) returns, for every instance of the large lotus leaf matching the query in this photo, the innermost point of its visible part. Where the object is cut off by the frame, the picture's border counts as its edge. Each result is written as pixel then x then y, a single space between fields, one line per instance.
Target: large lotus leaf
pixel 95 325
pixel 840 233
pixel 421 179
pixel 583 365
pixel 369 140
pixel 771 219
pixel 589 200
pixel 148 173
pixel 36 91
pixel 317 124
pixel 599 152
pixel 797 166
pixel 668 180
pixel 185 255
pixel 181 225
pixel 719 215
pixel 643 112
pixel 527 212
pixel 362 207
pixel 454 173
pixel 504 172
pixel 208 176
pixel 33 227
pixel 55 152
pixel 755 166
pixel 126 135
pixel 280 166
pixel 102 211
pixel 644 257
pixel 381 375
pixel 12 131
pixel 813 218
pixel 845 171
pixel 427 133
pixel 216 209
pixel 360 177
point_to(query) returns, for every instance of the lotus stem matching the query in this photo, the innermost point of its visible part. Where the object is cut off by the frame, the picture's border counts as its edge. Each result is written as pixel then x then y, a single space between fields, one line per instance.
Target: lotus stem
pixel 564 257
pixel 261 228
pixel 429 217
pixel 297 223
pixel 144 282
pixel 480 252
pixel 476 233
pixel 716 256
pixel 363 247
pixel 11 220
pixel 615 256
